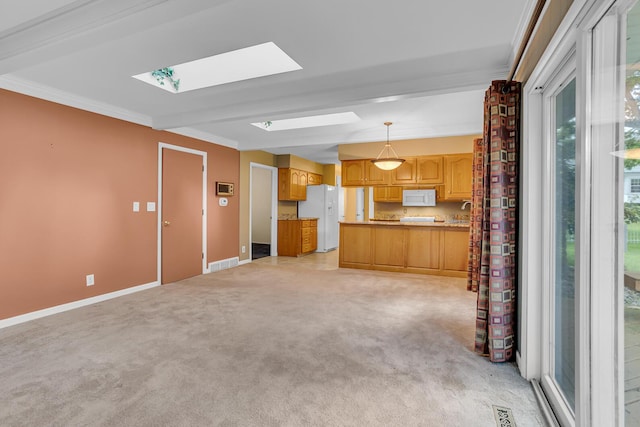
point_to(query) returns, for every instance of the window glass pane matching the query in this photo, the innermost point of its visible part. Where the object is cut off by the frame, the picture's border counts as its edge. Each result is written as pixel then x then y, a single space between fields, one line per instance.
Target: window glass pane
pixel 564 240
pixel 631 227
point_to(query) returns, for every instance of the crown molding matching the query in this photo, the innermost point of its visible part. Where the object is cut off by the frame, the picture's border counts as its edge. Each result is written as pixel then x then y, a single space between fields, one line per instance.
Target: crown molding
pixel 205 136
pixel 67 22
pixel 27 87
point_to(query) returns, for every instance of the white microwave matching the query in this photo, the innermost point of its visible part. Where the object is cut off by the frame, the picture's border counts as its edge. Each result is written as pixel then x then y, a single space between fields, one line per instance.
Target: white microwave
pixel 419 197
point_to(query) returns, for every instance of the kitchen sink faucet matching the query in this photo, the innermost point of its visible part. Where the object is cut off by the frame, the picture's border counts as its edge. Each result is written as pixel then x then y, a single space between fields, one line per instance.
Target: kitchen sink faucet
pixel 465 203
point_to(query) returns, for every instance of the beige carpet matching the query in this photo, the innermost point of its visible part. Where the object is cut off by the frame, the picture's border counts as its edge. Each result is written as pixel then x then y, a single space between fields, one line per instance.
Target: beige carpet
pixel 262 345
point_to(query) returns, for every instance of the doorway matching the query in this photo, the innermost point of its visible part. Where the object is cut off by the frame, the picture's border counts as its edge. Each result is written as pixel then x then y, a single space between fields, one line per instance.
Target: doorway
pixel 263 208
pixel 181 213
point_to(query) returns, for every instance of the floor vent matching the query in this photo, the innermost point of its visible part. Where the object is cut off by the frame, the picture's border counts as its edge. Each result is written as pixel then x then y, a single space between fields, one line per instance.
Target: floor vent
pixel 223 264
pixel 503 416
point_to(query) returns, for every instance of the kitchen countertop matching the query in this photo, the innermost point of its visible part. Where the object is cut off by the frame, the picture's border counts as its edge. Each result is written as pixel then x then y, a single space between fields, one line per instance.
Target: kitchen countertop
pixel 410 224
pixel 297 219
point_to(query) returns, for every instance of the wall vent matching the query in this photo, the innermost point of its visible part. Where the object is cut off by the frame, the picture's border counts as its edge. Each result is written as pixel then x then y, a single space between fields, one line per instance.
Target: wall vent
pixel 223 264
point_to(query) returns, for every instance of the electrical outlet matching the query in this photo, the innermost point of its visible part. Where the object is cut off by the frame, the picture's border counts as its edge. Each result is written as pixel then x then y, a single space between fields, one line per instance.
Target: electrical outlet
pixel 244 249
pixel 90 280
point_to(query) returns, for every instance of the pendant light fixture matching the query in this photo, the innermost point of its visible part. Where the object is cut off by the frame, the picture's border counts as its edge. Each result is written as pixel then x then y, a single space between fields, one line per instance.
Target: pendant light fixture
pixel 384 160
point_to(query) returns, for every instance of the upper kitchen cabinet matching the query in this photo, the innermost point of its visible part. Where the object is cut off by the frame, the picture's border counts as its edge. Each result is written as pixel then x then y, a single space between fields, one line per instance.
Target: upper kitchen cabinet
pixel 292 184
pixel 353 173
pixel 430 170
pixel 358 173
pixel 458 171
pixel 387 193
pixel 374 175
pixel 314 178
pixel 405 173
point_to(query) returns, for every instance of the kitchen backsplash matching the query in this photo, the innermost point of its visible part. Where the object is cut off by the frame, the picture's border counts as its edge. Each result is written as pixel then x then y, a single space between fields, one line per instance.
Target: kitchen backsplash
pixel 446 211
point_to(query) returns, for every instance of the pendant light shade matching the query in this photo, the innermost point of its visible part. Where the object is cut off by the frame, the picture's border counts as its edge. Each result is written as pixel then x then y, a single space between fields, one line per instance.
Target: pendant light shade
pixel 385 160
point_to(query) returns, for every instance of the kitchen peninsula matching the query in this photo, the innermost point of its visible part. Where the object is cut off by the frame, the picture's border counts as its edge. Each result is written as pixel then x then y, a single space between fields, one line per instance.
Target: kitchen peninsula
pixel 437 248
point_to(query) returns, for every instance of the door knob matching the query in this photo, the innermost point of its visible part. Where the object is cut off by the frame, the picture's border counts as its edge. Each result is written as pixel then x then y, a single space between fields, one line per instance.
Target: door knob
pixel 166 223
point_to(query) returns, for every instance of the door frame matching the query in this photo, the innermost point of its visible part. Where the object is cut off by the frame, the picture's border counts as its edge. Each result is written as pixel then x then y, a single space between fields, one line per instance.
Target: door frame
pixel 165 146
pixel 274 208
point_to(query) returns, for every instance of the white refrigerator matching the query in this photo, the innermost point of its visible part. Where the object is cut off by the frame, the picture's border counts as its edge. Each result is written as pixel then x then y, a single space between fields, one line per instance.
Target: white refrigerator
pixel 322 203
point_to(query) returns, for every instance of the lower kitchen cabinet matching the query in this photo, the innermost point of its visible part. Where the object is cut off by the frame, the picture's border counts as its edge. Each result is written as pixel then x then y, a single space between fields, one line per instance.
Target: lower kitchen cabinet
pixel 297 236
pixel 423 248
pixel 359 242
pixel 437 250
pixel 456 249
pixel 389 246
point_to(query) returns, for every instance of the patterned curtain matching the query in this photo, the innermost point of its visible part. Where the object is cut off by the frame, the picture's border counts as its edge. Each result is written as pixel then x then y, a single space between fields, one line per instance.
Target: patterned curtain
pixel 493 227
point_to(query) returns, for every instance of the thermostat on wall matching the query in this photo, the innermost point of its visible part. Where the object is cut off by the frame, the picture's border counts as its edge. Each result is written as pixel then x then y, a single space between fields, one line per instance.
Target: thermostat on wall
pixel 223 201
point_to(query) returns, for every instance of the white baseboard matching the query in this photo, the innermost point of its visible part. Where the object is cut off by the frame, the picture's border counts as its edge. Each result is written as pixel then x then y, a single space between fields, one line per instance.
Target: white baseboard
pixel 11 321
pixel 244 261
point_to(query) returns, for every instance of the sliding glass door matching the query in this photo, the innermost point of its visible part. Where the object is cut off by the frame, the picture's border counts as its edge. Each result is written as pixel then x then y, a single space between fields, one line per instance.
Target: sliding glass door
pixel 559 367
pixel 628 187
pixel 581 214
pixel 564 281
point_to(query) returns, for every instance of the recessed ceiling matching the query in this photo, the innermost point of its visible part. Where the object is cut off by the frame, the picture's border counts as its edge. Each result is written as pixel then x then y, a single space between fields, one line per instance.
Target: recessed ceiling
pixel 422 65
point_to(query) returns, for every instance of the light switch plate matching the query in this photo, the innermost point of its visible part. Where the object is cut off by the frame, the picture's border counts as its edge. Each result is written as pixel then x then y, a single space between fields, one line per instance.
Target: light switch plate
pixel 151 206
pixel 136 206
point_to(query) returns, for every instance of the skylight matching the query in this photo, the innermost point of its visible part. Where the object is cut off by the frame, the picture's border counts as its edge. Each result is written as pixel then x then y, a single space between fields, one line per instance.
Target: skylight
pixel 243 64
pixel 309 122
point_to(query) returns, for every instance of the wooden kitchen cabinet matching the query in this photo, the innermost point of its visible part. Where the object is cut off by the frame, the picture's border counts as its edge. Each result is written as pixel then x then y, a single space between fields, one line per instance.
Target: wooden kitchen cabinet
pixel 423 248
pixel 405 173
pixel 389 246
pixel 297 237
pixel 353 173
pixel 436 250
pixel 387 194
pixel 374 175
pixel 292 184
pixel 430 170
pixel 314 178
pixel 458 170
pixel 359 173
pixel 455 250
pixel 355 246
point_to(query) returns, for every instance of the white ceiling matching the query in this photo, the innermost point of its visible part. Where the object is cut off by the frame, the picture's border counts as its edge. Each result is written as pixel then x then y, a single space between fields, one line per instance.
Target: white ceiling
pixel 423 64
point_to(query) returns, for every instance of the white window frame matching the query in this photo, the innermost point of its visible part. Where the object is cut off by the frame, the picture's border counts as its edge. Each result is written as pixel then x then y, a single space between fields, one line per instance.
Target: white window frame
pixel 596 30
pixel 563 75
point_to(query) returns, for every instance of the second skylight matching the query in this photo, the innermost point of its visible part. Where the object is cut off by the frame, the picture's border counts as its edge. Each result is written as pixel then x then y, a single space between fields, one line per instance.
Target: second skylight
pixel 309 121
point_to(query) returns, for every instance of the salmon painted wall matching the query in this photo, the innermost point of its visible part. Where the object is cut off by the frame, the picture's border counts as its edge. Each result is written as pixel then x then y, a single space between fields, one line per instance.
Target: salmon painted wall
pixel 68 179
